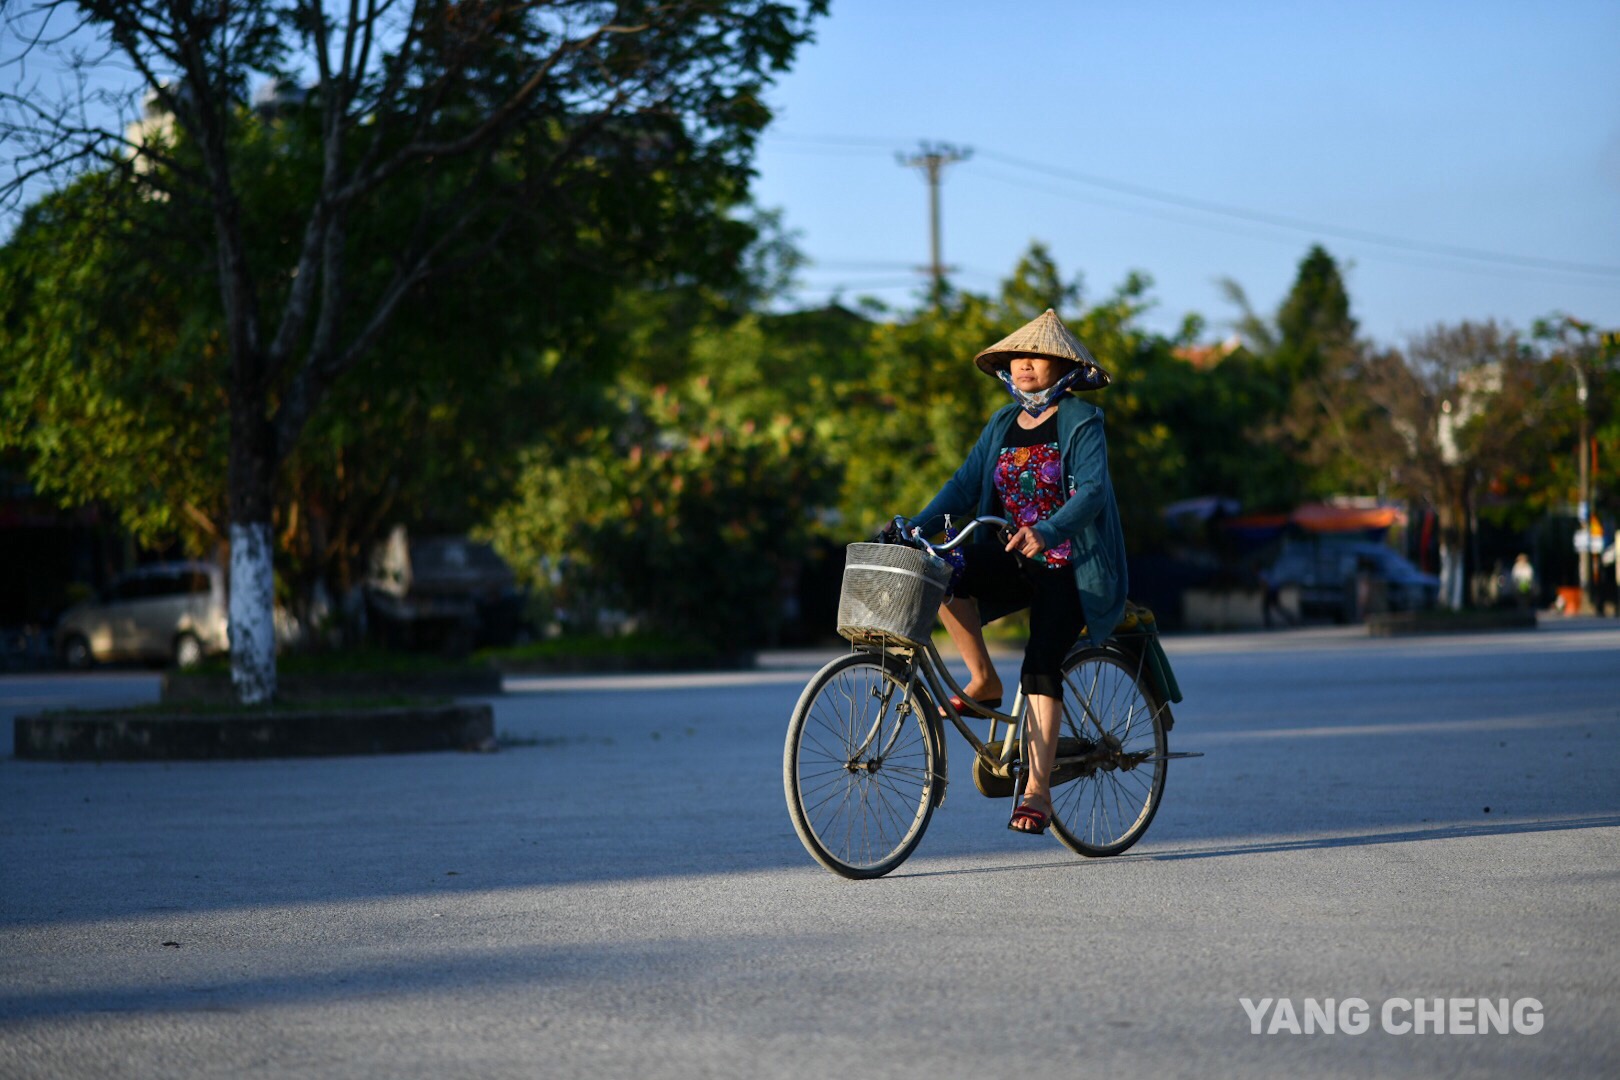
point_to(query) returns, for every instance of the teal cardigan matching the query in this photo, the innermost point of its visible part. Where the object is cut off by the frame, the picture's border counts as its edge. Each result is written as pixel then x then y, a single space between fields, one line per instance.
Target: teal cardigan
pixel 1089 518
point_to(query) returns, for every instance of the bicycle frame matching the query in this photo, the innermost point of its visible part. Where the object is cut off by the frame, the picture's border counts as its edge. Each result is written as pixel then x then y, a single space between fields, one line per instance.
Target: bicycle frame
pixel 937 678
pixel 927 667
pixel 927 663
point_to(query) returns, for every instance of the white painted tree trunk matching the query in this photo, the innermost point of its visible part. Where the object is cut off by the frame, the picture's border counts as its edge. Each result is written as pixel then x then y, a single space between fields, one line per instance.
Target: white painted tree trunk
pixel 253 627
pixel 1451 576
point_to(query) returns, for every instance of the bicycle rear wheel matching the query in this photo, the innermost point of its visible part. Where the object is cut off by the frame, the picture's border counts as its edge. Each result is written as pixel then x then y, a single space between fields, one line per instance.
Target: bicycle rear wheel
pixel 1111 754
pixel 858 767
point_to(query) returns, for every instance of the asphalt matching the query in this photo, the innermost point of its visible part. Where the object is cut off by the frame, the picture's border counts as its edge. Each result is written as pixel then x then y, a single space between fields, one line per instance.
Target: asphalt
pixel 618 892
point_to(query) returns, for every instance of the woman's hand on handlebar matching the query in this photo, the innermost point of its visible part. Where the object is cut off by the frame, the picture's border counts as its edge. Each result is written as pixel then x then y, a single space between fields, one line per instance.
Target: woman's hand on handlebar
pixel 1026 542
pixel 897 531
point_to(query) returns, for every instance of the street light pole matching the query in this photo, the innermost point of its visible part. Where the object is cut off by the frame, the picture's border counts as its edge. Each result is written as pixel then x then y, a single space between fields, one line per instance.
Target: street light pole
pixel 1583 451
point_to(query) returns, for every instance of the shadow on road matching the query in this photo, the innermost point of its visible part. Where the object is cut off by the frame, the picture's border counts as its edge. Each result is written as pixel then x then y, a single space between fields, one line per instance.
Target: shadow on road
pixel 191 987
pixel 1334 748
pixel 1404 836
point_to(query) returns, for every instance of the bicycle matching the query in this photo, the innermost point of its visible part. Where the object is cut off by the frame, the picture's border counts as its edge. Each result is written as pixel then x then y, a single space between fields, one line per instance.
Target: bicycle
pixel 864 766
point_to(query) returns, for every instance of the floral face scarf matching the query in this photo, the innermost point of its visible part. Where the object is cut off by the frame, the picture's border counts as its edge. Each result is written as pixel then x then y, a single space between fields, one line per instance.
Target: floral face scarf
pixel 1039 401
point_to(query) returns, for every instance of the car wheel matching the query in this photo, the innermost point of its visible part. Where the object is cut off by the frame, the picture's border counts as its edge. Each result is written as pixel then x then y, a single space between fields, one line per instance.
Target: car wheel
pixel 76 653
pixel 188 651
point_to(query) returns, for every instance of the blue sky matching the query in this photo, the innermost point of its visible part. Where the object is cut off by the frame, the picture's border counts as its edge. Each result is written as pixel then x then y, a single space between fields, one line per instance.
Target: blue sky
pixel 1171 137
pixel 1433 127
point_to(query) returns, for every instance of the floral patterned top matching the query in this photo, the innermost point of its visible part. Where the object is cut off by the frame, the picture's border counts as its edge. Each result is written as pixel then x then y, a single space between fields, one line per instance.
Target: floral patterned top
pixel 1029 479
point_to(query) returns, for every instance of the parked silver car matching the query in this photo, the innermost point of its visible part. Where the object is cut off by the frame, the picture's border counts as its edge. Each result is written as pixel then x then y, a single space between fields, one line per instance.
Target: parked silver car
pixel 167 612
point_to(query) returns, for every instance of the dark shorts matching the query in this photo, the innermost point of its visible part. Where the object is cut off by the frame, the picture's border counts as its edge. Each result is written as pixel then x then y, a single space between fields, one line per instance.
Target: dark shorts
pixel 1001 586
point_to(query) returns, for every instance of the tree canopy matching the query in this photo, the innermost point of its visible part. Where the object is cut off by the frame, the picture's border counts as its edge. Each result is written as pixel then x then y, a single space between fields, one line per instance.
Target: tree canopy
pixel 494 266
pixel 576 141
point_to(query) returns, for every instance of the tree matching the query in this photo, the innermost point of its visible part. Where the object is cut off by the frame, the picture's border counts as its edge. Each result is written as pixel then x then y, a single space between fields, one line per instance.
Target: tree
pixel 111 379
pixel 1300 363
pixel 1315 316
pixel 109 385
pixel 444 131
pixel 1444 418
pixel 127 409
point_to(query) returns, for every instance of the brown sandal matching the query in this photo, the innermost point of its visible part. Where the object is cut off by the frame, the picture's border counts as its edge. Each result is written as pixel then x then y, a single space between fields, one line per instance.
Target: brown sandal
pixel 973 705
pixel 1029 814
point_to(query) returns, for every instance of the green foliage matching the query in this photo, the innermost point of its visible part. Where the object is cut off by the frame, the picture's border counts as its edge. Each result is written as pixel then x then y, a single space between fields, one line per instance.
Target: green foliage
pixel 110 376
pixel 572 140
pixel 1297 383
pixel 606 395
pixel 1545 478
pixel 116 349
pixel 1315 316
pixel 907 419
pixel 733 439
pixel 1036 284
pixel 365 660
pixel 115 377
pixel 652 646
pixel 1174 430
pixel 683 511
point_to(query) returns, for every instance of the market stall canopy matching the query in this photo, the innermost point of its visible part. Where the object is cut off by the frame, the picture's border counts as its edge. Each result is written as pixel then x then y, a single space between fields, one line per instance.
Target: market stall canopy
pixel 1316 518
pixel 1321 518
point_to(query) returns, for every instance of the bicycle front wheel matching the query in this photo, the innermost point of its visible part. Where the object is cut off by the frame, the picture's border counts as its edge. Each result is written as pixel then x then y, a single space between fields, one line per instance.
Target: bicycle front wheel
pixel 1111 754
pixel 859 767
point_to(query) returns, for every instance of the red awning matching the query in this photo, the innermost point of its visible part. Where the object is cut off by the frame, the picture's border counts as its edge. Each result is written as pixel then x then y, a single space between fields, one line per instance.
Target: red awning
pixel 1317 517
pixel 1320 518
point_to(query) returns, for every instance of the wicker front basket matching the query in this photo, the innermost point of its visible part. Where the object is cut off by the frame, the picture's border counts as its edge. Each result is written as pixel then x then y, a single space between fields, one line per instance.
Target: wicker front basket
pixel 891 591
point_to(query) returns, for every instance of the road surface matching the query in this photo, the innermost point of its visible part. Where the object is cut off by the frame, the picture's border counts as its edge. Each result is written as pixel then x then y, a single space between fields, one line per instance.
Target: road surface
pixel 1404 824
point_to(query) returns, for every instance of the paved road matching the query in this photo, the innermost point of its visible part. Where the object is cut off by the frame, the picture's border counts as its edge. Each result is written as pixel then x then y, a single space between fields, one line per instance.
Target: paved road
pixel 619 892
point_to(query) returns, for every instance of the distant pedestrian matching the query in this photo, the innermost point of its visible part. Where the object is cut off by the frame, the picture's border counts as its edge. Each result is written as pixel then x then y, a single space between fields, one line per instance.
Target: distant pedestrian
pixel 1609 579
pixel 1273 600
pixel 1524 580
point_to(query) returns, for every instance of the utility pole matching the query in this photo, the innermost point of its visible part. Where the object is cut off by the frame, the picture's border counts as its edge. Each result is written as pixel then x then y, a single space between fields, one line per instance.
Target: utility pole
pixel 932 158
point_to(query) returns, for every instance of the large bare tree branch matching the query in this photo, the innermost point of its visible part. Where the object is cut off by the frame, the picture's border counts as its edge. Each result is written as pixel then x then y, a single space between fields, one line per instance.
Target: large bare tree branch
pixel 420 148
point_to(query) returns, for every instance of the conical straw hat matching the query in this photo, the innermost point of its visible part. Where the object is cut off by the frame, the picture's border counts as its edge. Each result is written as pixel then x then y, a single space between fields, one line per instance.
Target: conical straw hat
pixel 1044 336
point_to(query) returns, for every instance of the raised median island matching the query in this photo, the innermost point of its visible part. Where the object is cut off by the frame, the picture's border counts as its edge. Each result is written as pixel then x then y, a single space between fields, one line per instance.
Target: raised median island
pixel 203 733
pixel 214 688
pixel 365 701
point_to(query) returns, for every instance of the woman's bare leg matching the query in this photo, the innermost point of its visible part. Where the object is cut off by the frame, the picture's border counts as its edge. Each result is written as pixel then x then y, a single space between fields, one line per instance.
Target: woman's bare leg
pixel 1041 730
pixel 960 614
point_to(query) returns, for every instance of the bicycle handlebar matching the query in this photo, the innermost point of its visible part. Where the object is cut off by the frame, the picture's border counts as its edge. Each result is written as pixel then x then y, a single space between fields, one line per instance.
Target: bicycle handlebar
pixel 935 549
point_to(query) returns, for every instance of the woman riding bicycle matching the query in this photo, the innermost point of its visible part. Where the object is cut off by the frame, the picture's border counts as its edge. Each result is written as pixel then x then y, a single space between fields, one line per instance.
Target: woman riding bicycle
pixel 1042 463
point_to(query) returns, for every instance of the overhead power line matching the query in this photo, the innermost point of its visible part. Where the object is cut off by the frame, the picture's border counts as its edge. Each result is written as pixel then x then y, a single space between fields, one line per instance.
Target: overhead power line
pixel 857 264
pixel 1277 233
pixel 1245 214
pixel 1284 221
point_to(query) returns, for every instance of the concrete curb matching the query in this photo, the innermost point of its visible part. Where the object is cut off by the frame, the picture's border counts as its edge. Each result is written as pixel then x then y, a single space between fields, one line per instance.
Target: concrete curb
pixel 130 736
pixel 1402 623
